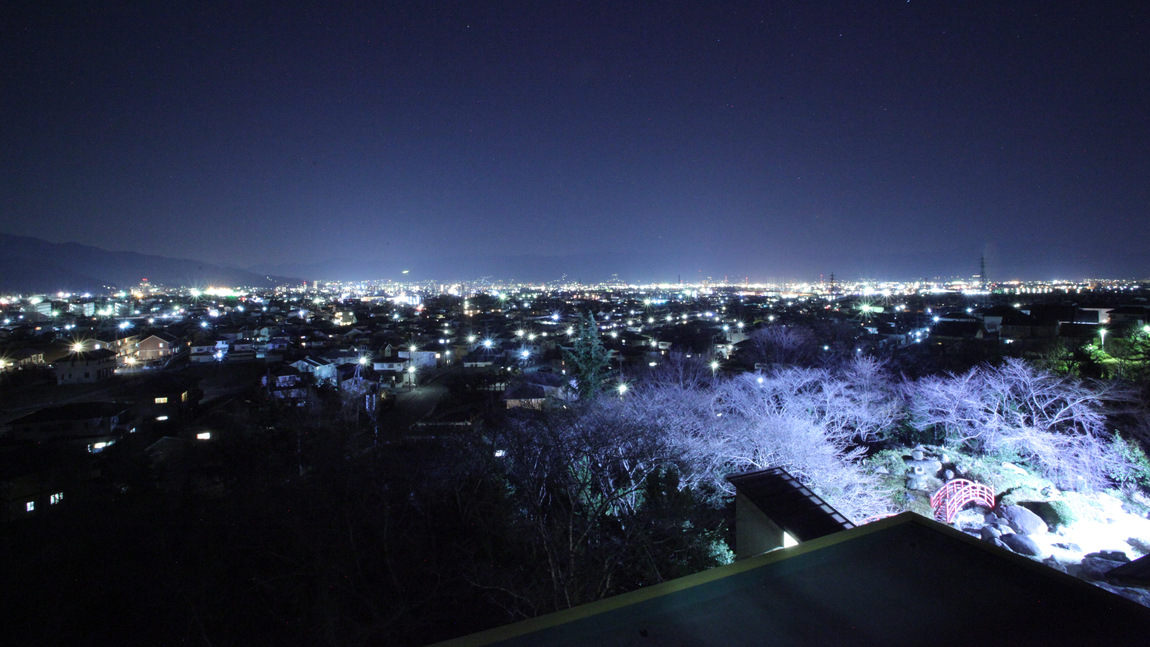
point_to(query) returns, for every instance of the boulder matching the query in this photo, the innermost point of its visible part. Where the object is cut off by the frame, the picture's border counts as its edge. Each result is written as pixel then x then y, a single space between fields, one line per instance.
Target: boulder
pixel 1024 521
pixel 989 532
pixel 1054 563
pixel 1003 527
pixel 1021 544
pixel 1141 596
pixel 1112 555
pixel 919 482
pixel 1068 545
pixel 1095 568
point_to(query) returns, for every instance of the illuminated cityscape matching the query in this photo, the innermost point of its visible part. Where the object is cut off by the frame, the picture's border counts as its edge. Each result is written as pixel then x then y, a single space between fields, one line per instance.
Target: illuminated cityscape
pixel 597 323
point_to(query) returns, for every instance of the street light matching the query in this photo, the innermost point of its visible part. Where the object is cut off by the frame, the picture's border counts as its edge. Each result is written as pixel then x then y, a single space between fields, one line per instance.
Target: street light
pixel 1102 334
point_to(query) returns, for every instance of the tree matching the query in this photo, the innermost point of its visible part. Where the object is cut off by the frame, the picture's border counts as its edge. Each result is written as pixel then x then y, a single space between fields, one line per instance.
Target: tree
pixel 588 358
pixel 793 418
pixel 1057 424
pixel 597 504
pixel 781 345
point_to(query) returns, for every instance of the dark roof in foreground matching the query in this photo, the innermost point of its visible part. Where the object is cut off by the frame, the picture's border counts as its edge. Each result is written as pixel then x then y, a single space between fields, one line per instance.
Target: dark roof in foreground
pixel 789 504
pixel 905 580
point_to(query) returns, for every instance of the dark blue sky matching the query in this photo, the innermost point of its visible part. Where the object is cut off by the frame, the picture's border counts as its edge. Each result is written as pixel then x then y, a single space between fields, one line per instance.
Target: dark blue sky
pixel 772 140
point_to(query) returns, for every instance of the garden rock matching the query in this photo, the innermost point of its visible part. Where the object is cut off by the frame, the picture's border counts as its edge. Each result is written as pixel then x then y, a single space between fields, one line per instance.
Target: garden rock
pixel 1021 544
pixel 1095 568
pixel 1141 596
pixel 989 532
pixel 1112 555
pixel 1054 563
pixel 1024 521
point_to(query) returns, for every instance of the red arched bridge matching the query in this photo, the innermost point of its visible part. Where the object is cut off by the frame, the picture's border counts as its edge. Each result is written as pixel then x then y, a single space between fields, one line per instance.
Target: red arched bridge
pixel 953 496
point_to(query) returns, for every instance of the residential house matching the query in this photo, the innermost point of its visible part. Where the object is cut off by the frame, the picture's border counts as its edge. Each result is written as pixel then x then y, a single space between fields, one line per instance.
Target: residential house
pixel 1130 317
pixel 322 370
pixel 165 397
pixel 157 348
pixel 23 358
pixel 286 384
pixel 203 351
pixel 36 478
pixel 85 366
pixel 88 423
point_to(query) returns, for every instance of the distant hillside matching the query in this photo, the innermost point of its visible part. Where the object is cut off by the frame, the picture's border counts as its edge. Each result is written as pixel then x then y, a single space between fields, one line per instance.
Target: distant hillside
pixel 590 267
pixel 30 265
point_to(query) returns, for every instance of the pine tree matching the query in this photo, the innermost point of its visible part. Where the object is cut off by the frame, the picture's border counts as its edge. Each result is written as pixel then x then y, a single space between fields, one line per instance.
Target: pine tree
pixel 588 358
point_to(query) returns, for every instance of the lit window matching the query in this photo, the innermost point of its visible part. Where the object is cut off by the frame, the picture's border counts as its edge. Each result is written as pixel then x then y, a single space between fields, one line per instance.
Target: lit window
pixel 206 435
pixel 161 400
pixel 56 498
pixel 161 418
pixel 30 506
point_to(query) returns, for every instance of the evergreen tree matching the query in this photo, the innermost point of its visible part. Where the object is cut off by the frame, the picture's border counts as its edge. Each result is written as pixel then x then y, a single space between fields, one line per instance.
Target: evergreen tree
pixel 588 358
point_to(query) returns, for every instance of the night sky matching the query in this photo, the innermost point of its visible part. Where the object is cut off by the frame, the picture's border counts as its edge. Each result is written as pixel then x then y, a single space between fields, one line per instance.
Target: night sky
pixel 769 140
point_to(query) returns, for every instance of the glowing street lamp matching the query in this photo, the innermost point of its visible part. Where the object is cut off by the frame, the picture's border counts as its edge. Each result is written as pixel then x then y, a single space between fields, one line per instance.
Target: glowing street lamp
pixel 622 388
pixel 1102 334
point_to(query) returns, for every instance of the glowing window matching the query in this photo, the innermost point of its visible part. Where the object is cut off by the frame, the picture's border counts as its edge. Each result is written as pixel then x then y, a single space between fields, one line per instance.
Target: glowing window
pixel 56 498
pixel 161 400
pixel 207 435
pixel 30 506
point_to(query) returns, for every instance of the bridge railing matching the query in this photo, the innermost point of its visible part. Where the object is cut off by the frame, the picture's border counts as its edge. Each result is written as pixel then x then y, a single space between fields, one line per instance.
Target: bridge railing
pixel 953 497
